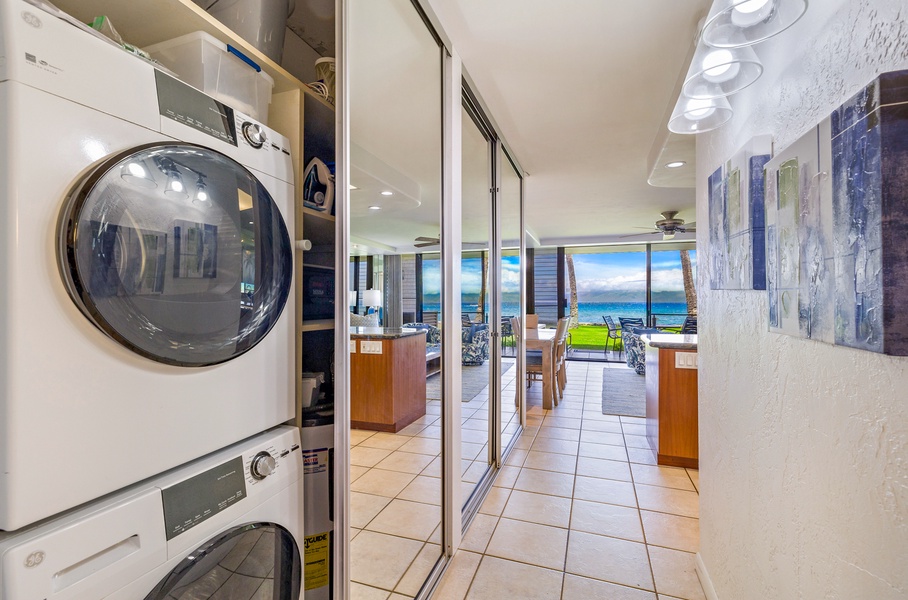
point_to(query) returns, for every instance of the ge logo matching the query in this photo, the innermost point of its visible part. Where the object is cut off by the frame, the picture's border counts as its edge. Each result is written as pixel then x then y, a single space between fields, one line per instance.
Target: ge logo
pixel 32 19
pixel 34 559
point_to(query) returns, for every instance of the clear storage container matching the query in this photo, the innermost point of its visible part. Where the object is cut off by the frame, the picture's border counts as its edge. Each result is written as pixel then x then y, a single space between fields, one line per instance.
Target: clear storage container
pixel 204 62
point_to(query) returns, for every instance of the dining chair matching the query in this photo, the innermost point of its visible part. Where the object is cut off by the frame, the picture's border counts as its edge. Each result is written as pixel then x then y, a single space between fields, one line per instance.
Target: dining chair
pixel 532 321
pixel 560 357
pixel 533 357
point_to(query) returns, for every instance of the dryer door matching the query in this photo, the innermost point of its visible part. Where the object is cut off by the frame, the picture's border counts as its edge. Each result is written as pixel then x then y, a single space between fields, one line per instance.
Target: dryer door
pixel 259 561
pixel 176 252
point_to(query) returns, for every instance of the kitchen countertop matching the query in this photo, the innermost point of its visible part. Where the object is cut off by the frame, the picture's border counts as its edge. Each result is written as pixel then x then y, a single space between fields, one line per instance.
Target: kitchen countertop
pixel 384 333
pixel 675 341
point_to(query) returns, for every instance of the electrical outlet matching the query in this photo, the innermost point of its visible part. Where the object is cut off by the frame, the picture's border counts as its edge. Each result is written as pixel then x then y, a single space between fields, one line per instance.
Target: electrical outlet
pixel 370 347
pixel 685 360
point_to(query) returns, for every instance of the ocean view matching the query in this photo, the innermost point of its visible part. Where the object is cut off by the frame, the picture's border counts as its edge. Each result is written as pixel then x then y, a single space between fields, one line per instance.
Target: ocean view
pixel 592 312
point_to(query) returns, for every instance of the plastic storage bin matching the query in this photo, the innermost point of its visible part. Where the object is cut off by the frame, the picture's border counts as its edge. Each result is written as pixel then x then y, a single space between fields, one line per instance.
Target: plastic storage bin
pixel 203 61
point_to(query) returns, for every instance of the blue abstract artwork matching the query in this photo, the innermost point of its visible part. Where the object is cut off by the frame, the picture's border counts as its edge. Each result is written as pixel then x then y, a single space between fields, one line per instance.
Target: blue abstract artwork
pixel 798 240
pixel 837 225
pixel 736 219
pixel 870 199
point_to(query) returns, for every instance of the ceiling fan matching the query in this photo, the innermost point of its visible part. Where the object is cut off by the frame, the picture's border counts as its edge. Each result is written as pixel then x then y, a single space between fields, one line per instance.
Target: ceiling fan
pixel 668 226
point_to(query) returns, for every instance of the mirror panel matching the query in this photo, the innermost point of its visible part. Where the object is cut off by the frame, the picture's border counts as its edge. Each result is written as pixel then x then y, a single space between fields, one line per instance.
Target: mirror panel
pixel 395 75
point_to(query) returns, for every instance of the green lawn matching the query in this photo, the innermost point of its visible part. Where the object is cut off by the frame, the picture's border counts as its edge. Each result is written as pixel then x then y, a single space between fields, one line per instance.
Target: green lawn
pixel 590 337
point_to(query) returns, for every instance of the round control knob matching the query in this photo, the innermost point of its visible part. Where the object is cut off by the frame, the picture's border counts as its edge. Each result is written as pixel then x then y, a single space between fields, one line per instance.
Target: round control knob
pixel 262 465
pixel 254 134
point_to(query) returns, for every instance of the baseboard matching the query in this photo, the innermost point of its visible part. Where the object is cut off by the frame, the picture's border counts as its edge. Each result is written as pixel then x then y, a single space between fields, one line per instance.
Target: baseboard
pixel 705 582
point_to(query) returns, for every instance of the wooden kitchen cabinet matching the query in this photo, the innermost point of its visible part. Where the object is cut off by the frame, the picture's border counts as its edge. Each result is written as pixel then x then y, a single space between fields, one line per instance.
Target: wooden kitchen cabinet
pixel 671 399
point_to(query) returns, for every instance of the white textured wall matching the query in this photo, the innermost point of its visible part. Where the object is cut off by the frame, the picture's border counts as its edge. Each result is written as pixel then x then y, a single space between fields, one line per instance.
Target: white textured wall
pixel 803 446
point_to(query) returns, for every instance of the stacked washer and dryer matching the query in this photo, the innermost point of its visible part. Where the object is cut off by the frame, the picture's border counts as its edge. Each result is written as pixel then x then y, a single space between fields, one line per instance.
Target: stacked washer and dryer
pixel 146 334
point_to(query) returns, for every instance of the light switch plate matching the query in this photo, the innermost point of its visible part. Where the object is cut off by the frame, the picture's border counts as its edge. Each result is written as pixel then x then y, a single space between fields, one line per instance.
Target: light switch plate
pixel 370 347
pixel 352 346
pixel 685 360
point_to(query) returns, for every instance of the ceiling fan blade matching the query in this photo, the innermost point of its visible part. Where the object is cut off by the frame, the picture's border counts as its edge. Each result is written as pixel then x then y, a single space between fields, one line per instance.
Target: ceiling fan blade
pixel 425 244
pixel 649 228
pixel 689 225
pixel 636 234
pixel 427 239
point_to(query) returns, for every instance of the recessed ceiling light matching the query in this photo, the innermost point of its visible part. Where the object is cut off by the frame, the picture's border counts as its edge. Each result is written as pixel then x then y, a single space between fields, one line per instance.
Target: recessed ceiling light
pixel 675 164
pixel 375 208
pixel 353 187
pixel 387 193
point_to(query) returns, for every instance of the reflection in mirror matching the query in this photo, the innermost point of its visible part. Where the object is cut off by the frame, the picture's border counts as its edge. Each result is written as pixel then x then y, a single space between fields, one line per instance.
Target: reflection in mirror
pixel 395 75
pixel 475 304
pixel 509 203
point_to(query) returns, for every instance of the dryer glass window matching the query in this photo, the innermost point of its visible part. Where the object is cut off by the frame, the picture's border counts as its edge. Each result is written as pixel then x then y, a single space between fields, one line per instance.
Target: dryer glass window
pixel 177 252
pixel 254 562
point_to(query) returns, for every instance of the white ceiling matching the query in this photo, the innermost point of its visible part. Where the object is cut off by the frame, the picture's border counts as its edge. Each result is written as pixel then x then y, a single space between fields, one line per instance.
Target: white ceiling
pixel 580 90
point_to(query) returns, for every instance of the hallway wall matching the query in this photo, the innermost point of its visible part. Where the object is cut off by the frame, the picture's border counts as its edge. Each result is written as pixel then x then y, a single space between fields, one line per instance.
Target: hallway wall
pixel 803 446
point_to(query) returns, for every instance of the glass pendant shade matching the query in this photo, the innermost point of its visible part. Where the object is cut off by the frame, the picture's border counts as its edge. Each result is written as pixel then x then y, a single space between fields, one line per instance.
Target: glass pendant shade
pixel 696 115
pixel 736 23
pixel 716 72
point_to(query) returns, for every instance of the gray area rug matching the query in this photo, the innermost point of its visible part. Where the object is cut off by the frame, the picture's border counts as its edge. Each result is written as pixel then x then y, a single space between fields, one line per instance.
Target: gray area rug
pixel 623 393
pixel 475 379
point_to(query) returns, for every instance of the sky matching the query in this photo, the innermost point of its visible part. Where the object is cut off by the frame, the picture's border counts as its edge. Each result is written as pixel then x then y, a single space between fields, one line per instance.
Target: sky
pixel 596 273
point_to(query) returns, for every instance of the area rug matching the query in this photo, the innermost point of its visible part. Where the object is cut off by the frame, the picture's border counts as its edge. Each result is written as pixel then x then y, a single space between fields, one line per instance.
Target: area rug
pixel 623 393
pixel 475 379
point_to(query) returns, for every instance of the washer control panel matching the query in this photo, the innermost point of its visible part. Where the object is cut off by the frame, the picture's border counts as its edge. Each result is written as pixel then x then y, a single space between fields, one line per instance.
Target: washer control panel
pixel 205 494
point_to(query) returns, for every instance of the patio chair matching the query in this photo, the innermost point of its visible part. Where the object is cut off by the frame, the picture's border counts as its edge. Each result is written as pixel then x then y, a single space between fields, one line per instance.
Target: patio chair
pixel 690 325
pixel 630 322
pixel 614 334
pixel 507 332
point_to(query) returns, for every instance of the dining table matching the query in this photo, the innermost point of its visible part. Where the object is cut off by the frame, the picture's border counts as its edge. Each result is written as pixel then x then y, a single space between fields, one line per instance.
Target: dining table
pixel 544 339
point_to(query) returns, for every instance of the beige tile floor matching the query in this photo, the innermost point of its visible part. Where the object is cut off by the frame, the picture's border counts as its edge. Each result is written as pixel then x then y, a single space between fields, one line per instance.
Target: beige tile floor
pixel 578 511
pixel 395 493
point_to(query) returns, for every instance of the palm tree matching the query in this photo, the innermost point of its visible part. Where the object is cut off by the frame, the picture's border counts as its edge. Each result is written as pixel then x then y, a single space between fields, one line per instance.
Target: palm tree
pixel 572 280
pixel 690 291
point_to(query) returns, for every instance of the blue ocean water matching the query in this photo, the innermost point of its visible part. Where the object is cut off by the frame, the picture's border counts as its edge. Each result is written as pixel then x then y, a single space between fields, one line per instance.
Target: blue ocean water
pixel 592 312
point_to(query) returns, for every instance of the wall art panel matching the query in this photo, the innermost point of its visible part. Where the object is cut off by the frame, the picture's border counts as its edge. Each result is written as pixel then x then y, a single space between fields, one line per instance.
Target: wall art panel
pixel 870 197
pixel 736 219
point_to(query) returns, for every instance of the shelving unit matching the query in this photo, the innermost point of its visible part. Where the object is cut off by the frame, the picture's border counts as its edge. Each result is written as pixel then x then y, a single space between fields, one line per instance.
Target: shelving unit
pixel 305 118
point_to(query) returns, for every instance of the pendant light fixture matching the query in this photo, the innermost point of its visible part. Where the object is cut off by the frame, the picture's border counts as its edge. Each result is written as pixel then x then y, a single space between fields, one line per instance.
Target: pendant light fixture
pixel 696 115
pixel 716 72
pixel 736 23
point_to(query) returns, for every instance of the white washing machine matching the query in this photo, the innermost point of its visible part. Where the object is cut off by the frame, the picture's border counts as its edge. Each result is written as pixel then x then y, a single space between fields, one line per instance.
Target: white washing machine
pixel 226 526
pixel 145 261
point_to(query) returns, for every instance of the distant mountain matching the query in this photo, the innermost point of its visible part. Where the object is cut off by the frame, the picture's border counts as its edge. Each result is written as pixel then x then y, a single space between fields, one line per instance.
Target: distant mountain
pixel 632 296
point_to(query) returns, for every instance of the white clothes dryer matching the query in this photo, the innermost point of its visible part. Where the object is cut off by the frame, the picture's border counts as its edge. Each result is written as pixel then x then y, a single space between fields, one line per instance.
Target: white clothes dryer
pixel 145 261
pixel 226 526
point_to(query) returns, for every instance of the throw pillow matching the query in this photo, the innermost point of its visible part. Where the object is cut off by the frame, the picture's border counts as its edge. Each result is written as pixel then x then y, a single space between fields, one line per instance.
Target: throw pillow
pixel 364 320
